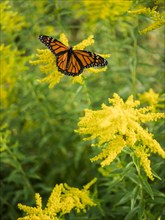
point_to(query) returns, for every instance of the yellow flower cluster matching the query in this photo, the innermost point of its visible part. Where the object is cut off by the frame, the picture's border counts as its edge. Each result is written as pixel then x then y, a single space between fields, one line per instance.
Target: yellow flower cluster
pixel 47 63
pixel 61 201
pixel 10 71
pixel 109 9
pixel 119 125
pixel 150 97
pixel 47 59
pixel 10 20
pixel 155 100
pixel 157 17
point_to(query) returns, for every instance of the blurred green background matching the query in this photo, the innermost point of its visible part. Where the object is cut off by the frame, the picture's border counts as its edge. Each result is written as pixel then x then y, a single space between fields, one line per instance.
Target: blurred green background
pixel 39 145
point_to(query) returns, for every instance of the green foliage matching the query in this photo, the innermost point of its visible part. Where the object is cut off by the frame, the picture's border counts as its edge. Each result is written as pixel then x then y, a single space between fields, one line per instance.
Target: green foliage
pixel 39 147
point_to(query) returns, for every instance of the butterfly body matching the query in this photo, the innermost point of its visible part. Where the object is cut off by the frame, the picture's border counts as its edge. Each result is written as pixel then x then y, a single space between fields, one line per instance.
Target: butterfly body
pixel 72 62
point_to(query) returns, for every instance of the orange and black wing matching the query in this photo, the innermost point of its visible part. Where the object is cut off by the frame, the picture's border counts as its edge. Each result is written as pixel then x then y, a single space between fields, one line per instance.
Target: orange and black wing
pixel 73 62
pixel 89 59
pixel 68 64
pixel 54 45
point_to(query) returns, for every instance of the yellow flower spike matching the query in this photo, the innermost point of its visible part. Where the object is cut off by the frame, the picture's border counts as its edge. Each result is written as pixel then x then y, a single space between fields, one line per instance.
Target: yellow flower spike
pixel 38 200
pixel 10 72
pixel 144 161
pixel 88 185
pixel 46 60
pixel 29 210
pixel 150 97
pixel 10 20
pixel 157 17
pixel 111 151
pixel 84 43
pixel 43 56
pixel 54 201
pixel 119 125
pixel 78 79
pixel 147 138
pixel 61 201
pixel 104 55
pixel 110 9
pixel 95 70
pixel 53 78
pixel 64 39
pixel 131 137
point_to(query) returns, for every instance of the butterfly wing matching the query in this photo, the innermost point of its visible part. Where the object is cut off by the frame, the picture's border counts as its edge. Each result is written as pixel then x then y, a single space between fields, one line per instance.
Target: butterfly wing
pixel 89 59
pixel 54 45
pixel 69 65
pixel 69 61
pixel 74 61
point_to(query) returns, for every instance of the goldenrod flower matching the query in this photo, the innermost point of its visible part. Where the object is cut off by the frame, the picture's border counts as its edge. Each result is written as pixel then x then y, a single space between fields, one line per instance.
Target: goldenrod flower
pixel 10 20
pixel 119 125
pixel 109 9
pixel 156 16
pixel 47 63
pixel 150 97
pixel 61 201
pixel 10 71
pixel 141 152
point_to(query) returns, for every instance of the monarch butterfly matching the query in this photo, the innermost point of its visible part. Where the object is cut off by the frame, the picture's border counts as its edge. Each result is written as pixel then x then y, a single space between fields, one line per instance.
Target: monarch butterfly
pixel 71 62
